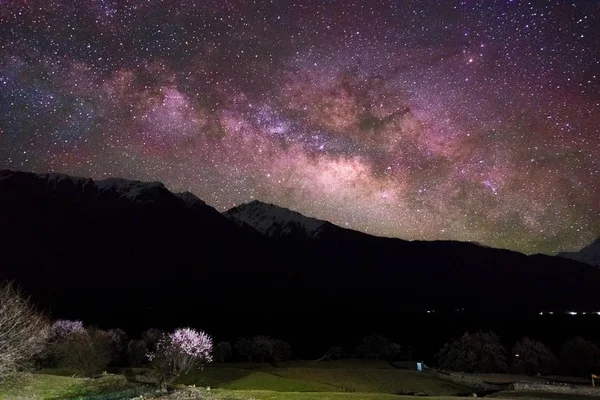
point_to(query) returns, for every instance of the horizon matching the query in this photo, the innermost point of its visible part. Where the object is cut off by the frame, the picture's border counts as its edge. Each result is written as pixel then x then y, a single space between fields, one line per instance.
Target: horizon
pixel 470 122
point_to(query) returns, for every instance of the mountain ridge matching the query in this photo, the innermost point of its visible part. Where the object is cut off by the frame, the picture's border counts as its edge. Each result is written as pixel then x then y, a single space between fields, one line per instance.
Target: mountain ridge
pixel 81 245
pixel 589 254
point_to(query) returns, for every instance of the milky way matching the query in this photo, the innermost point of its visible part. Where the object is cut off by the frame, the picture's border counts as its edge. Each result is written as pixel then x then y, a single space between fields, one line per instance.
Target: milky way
pixel 462 120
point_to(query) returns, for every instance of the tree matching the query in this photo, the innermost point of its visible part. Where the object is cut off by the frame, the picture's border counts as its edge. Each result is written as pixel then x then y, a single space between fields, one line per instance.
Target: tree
pixel 477 352
pixel 222 352
pixel 579 357
pixel 87 351
pixel 334 353
pixel 178 353
pixel 378 347
pixel 23 330
pixel 243 349
pixel 118 346
pixel 63 327
pixel 282 351
pixel 262 348
pixel 533 357
pixel 138 350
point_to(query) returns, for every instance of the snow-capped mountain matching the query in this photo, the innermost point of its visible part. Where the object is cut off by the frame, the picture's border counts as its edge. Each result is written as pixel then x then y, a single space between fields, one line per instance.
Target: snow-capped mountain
pixel 88 190
pixel 61 232
pixel 275 222
pixel 281 223
pixel 589 254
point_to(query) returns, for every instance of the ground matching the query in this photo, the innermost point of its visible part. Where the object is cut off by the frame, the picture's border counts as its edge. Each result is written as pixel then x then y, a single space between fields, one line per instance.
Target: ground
pixel 310 380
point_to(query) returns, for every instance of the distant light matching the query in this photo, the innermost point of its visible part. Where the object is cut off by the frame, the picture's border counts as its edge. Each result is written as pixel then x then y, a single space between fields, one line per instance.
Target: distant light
pixel 598 312
pixel 551 313
pixel 541 313
pixel 572 313
pixel 517 355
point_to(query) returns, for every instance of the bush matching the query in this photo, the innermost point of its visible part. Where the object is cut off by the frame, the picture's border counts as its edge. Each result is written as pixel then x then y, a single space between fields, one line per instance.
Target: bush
pixel 282 351
pixel 243 349
pixel 23 330
pixel 138 350
pixel 86 351
pixel 334 353
pixel 579 357
pixel 118 347
pixel 262 349
pixel 378 347
pixel 478 352
pixel 532 357
pixel 178 353
pixel 222 352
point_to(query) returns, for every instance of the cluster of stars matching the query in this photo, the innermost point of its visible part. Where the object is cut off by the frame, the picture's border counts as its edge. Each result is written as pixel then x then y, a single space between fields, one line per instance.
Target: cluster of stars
pixel 462 120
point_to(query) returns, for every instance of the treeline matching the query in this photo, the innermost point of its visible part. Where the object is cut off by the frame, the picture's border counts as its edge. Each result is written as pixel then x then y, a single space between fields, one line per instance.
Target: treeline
pixel 28 339
pixel 483 352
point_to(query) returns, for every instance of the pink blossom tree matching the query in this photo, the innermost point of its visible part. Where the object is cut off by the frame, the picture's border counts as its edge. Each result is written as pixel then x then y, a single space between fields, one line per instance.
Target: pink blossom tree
pixel 179 352
pixel 63 327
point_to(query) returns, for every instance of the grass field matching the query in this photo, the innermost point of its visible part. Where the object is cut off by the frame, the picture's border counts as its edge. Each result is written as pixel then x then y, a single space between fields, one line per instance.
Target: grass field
pixel 310 380
pixel 57 387
pixel 335 376
pixel 271 395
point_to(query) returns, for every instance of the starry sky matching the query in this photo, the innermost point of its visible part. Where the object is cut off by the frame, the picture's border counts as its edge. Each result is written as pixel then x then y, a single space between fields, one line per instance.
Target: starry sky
pixel 464 120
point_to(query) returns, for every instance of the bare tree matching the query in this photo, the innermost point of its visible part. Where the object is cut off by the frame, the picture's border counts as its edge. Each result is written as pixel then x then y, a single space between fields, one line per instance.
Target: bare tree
pixel 473 352
pixel 87 351
pixel 23 330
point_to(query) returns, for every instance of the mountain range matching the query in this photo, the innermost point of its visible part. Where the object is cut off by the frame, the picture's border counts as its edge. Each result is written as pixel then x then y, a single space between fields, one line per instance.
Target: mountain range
pixel 590 254
pixel 126 250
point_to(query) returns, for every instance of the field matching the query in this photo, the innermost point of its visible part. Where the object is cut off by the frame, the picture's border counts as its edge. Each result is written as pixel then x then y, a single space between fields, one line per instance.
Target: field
pixel 311 380
pixel 335 376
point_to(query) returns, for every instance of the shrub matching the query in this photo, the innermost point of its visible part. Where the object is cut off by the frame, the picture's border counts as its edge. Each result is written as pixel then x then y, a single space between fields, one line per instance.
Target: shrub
pixel 23 330
pixel 178 353
pixel 334 353
pixel 263 349
pixel 243 349
pixel 86 351
pixel 477 352
pixel 377 346
pixel 579 357
pixel 222 352
pixel 282 351
pixel 138 350
pixel 118 346
pixel 533 357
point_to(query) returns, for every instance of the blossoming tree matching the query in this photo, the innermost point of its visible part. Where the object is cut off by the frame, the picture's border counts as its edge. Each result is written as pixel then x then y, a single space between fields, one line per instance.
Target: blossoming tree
pixel 179 352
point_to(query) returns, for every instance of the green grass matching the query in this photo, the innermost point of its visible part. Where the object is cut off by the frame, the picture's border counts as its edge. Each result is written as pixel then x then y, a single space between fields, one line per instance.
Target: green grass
pixel 247 379
pixel 333 376
pixel 339 364
pixel 274 395
pixel 376 380
pixel 528 395
pixel 55 387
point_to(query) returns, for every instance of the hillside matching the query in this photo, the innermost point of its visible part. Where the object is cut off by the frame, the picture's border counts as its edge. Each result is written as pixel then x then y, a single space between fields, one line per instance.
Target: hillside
pixel 128 253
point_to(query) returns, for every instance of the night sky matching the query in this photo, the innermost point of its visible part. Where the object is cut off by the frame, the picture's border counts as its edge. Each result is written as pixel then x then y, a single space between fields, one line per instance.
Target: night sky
pixel 464 120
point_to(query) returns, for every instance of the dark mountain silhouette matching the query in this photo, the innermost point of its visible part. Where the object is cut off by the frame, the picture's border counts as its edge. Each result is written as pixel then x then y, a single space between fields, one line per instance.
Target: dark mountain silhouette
pixel 590 254
pixel 133 253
